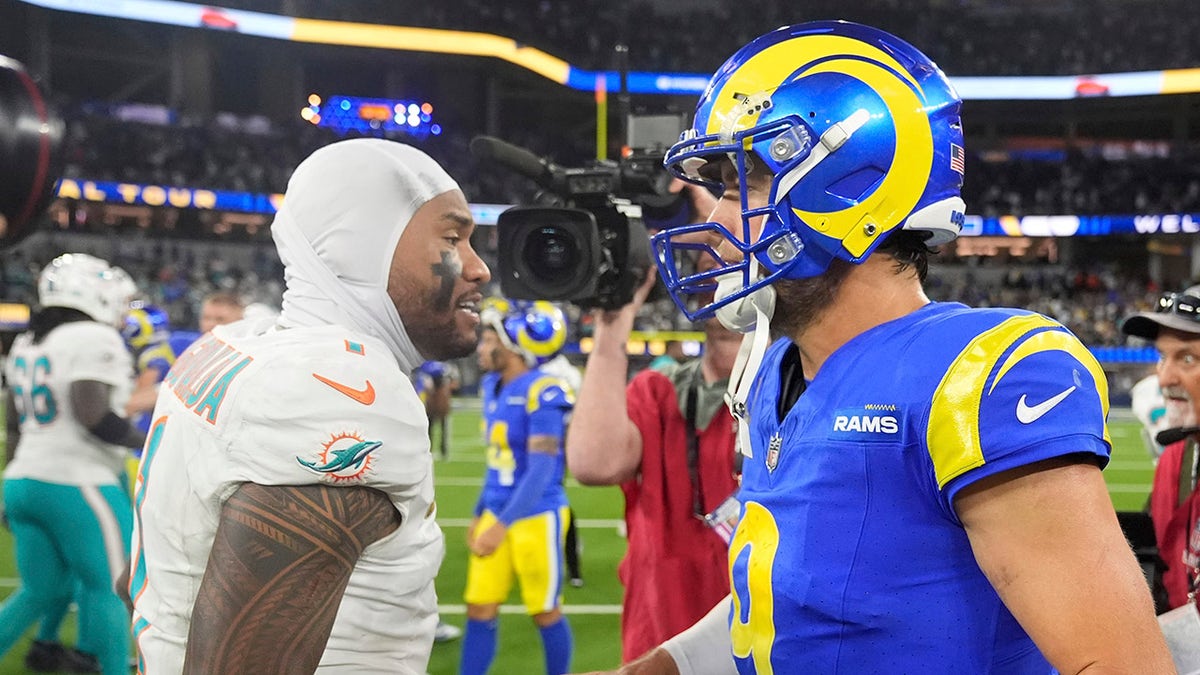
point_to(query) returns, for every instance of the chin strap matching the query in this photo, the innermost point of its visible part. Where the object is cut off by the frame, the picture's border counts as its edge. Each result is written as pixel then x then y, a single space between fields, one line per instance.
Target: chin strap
pixel 749 358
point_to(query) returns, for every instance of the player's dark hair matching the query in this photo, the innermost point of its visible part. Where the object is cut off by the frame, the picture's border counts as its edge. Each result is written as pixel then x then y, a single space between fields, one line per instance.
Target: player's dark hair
pixel 49 318
pixel 908 248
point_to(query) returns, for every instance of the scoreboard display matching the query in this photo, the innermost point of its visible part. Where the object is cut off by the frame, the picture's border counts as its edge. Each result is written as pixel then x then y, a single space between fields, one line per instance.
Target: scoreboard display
pixel 346 114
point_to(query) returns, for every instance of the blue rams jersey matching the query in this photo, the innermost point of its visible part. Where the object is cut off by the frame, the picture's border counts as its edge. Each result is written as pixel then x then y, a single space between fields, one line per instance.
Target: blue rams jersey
pixel 161 356
pixel 180 340
pixel 157 355
pixel 849 557
pixel 423 384
pixel 489 390
pixel 436 370
pixel 532 404
pixel 429 376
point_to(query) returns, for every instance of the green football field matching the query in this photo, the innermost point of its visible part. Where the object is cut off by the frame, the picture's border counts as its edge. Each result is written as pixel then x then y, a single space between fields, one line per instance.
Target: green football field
pixel 594 609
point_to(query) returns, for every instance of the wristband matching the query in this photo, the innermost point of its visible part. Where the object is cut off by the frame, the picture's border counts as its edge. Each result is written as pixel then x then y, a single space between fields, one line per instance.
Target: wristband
pixel 705 648
pixel 114 429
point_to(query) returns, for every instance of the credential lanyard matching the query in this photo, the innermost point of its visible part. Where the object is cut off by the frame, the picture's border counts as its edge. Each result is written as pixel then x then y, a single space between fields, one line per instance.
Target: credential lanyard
pixel 1187 484
pixel 693 454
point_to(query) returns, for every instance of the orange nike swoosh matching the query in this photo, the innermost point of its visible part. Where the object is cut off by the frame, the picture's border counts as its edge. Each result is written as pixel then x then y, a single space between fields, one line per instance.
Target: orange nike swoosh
pixel 365 396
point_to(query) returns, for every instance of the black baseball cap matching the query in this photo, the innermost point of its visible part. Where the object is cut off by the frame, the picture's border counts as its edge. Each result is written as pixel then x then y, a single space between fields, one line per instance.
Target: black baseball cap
pixel 1179 311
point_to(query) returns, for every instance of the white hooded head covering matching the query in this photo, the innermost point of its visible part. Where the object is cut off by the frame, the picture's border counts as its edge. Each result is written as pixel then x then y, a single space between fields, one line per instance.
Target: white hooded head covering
pixel 344 211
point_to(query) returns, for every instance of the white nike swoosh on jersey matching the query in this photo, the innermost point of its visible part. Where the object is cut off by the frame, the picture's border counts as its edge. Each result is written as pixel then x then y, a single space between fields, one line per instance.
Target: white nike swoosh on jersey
pixel 1028 415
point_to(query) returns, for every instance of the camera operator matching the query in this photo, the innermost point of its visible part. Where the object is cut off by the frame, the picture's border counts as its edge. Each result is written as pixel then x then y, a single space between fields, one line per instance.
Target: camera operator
pixel 667 439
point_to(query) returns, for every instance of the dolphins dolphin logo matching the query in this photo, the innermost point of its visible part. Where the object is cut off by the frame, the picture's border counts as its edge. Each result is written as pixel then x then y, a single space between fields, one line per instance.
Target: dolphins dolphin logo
pixel 343 462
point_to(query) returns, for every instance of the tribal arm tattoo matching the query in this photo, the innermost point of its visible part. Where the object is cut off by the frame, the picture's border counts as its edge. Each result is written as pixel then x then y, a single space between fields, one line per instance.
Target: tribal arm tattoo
pixel 279 564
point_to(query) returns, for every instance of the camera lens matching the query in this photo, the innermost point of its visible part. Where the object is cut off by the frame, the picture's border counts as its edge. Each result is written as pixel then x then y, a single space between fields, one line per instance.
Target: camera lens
pixel 552 253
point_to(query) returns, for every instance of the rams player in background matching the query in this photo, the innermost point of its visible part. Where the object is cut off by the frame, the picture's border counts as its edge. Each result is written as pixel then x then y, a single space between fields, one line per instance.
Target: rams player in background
pixel 156 345
pixel 522 514
pixel 921 485
pixel 436 383
pixel 147 332
pixel 65 494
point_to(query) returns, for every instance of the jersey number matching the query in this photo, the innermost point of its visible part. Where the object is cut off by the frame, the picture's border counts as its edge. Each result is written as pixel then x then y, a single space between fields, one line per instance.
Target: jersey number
pixel 751 557
pixel 500 455
pixel 137 578
pixel 30 392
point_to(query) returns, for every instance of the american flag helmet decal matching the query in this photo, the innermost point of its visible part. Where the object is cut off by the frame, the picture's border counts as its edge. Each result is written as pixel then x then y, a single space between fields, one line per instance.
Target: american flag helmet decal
pixel 958 159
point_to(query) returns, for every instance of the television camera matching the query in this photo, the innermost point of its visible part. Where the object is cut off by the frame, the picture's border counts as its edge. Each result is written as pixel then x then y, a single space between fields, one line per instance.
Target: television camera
pixel 585 240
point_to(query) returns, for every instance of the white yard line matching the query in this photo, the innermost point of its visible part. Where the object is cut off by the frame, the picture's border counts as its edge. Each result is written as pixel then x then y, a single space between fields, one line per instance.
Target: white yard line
pixel 520 609
pixel 10 582
pixel 597 523
pixel 455 481
pixel 1129 487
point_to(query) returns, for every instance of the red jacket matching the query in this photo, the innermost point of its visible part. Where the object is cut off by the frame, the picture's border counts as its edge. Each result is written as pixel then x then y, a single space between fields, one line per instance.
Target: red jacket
pixel 676 568
pixel 1173 522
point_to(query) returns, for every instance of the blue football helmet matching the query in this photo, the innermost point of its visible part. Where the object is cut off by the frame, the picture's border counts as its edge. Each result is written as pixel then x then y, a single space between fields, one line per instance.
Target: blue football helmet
pixel 862 136
pixel 536 330
pixel 145 325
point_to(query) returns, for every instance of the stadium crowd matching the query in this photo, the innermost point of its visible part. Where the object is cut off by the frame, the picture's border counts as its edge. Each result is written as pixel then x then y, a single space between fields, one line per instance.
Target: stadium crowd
pixel 215 154
pixel 967 37
pixel 177 276
pixel 208 154
pixel 173 275
pixel 219 153
pixel 1085 183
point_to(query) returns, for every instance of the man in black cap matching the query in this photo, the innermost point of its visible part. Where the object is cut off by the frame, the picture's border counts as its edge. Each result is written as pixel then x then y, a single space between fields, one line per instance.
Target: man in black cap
pixel 1174 328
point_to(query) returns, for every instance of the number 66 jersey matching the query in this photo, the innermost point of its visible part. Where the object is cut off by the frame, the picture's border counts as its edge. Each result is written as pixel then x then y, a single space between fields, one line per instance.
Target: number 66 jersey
pixel 54 446
pixel 304 406
pixel 849 557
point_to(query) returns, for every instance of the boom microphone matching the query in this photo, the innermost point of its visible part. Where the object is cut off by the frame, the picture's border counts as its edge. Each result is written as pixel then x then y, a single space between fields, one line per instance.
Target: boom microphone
pixel 1174 435
pixel 520 160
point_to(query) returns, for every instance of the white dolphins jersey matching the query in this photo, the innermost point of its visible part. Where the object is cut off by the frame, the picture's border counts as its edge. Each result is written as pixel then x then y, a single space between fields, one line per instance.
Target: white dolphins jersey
pixel 251 404
pixel 54 446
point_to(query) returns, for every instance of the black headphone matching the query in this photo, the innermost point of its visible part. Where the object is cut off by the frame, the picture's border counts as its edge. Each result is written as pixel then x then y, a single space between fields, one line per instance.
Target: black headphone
pixel 1174 435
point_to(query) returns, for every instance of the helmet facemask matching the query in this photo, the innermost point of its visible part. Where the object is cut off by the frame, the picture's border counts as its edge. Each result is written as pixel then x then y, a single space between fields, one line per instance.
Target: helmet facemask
pixel 861 136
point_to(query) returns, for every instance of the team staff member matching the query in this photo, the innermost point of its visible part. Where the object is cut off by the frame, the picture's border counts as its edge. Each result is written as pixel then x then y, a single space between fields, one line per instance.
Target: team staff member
pixel 921 487
pixel 64 493
pixel 219 308
pixel 667 439
pixel 1174 328
pixel 285 498
pixel 436 383
pixel 147 332
pixel 521 518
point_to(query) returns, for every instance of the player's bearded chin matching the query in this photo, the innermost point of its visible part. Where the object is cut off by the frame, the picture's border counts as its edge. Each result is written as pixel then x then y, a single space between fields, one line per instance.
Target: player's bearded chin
pixel 436 334
pixel 799 302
